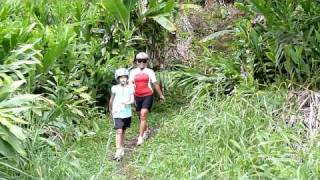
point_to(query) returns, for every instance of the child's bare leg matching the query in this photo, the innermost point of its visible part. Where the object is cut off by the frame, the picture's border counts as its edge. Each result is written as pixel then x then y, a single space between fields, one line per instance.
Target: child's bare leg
pixel 119 140
pixel 123 138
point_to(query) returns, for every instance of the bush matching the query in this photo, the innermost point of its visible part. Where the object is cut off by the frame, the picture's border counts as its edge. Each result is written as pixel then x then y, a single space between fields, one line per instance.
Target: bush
pixel 283 40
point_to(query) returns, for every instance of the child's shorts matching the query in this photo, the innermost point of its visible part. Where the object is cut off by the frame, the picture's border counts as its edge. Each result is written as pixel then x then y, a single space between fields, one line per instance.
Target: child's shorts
pixel 122 123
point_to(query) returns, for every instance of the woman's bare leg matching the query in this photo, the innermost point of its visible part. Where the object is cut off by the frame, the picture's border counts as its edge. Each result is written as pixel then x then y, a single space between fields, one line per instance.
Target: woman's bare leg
pixel 143 121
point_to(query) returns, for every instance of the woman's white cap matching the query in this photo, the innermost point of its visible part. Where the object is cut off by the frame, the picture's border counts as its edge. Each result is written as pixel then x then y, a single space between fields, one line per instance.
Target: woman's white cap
pixel 142 55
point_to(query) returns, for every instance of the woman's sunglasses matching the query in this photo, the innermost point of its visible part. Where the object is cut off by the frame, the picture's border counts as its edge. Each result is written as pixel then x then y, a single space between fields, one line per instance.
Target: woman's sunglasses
pixel 142 60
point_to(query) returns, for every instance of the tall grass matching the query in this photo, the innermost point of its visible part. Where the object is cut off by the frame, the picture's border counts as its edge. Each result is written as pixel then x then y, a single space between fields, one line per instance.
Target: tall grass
pixel 237 138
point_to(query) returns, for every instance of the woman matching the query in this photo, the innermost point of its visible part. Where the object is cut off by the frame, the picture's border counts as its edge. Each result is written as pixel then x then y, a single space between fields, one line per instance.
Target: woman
pixel 142 78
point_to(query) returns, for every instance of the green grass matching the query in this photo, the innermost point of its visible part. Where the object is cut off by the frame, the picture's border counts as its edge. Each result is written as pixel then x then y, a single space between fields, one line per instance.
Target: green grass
pixel 235 138
pixel 95 152
pixel 91 156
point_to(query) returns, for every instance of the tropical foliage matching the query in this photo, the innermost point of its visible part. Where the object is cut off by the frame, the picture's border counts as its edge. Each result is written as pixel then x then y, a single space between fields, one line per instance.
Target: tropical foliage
pixel 56 64
pixel 284 42
pixel 57 60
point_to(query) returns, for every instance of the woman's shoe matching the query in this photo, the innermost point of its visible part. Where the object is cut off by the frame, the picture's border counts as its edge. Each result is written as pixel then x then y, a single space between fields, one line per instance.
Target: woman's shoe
pixel 146 134
pixel 140 140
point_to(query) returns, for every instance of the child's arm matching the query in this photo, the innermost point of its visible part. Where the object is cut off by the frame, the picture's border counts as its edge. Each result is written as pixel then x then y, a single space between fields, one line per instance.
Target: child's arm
pixel 111 102
pixel 131 101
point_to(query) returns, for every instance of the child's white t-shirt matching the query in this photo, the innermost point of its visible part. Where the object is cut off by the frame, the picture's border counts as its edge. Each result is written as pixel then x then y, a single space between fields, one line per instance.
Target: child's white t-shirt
pixel 121 94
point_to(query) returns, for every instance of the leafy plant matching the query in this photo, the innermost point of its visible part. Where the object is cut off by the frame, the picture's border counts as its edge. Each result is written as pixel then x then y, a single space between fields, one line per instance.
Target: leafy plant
pixel 285 42
pixel 211 77
pixel 12 104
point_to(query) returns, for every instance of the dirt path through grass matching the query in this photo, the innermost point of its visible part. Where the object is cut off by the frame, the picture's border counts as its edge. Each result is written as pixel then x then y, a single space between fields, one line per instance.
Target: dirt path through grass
pixel 96 152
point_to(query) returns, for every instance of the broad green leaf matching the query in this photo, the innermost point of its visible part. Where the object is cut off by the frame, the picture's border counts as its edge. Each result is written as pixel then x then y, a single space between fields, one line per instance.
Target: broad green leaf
pixel 159 9
pixel 15 110
pixel 118 10
pixel 17 131
pixel 6 90
pixel 189 6
pixel 289 67
pixel 19 75
pixel 85 96
pixel 46 100
pixel 165 22
pixel 153 3
pixel 17 64
pixel 242 7
pixel 292 54
pixel 19 100
pixel 170 4
pixel 95 126
pixel 49 142
pixel 216 35
pixel 58 42
pixel 81 89
pixel 271 56
pixel 279 54
pixel 6 149
pixel 4 113
pixel 306 5
pixel 12 140
pixel 23 48
pixel 76 111
pixel 130 4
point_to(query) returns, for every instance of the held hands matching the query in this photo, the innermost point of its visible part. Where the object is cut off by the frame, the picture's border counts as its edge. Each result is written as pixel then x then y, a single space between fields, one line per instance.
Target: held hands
pixel 125 103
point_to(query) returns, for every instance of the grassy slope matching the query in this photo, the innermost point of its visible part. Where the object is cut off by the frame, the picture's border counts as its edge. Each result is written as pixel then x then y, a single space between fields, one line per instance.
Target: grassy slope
pixel 230 139
pixel 238 137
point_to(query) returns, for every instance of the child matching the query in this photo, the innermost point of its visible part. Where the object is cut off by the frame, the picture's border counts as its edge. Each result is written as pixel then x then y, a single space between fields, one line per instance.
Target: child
pixel 120 106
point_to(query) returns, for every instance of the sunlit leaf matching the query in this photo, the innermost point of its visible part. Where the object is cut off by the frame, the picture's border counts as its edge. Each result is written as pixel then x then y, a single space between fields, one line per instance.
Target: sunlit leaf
pixel 165 22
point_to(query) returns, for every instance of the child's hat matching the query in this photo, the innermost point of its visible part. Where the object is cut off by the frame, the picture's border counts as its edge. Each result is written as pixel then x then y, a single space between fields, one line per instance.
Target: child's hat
pixel 121 72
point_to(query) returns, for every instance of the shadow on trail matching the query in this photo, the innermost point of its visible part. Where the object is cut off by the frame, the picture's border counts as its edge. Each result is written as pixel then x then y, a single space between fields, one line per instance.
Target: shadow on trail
pixel 132 143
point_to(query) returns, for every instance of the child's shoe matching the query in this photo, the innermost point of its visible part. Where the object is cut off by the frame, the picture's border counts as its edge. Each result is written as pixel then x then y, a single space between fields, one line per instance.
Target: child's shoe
pixel 119 154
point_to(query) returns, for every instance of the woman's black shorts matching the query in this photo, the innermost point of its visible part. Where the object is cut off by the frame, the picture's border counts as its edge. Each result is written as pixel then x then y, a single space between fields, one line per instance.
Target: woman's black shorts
pixel 144 102
pixel 122 123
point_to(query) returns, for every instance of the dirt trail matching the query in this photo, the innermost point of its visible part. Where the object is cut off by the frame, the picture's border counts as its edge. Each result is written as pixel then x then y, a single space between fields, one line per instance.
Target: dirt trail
pixel 129 146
